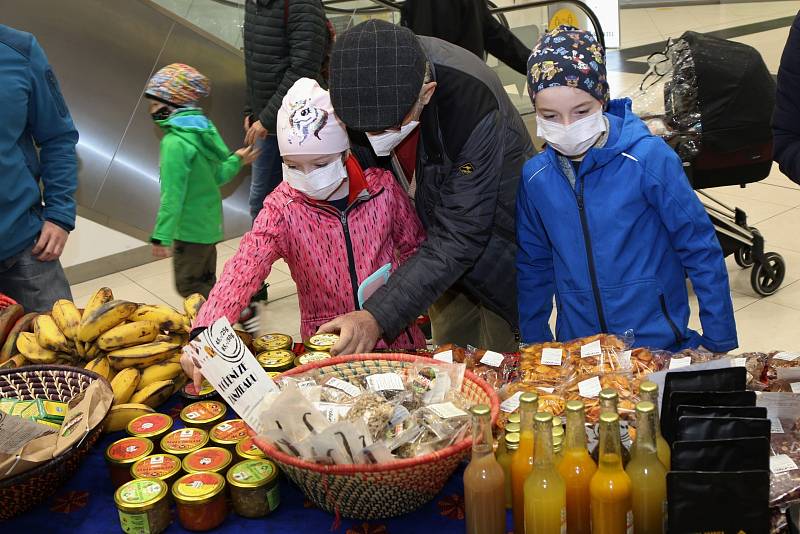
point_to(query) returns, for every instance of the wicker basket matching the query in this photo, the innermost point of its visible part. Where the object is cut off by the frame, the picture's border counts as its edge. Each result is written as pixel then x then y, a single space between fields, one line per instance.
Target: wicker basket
pixel 379 491
pixel 58 383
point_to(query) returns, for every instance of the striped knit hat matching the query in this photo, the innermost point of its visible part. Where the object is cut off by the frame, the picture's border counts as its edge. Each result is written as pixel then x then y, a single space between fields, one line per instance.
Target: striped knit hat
pixel 178 85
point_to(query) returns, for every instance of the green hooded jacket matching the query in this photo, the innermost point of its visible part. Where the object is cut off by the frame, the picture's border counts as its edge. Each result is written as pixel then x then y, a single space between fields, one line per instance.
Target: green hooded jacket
pixel 195 163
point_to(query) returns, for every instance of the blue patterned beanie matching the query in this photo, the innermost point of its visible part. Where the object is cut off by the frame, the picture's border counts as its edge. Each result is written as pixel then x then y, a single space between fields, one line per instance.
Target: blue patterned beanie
pixel 567 56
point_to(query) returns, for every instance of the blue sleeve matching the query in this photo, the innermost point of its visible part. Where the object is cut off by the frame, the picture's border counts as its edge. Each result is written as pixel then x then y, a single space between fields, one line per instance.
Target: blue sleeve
pixel 692 236
pixel 786 118
pixel 52 129
pixel 535 275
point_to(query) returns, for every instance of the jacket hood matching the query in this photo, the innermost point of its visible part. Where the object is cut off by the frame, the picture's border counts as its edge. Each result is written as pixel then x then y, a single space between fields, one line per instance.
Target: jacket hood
pixel 195 128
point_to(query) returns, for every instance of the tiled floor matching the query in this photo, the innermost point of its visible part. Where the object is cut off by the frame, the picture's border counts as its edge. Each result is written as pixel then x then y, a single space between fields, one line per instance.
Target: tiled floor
pixel 773 205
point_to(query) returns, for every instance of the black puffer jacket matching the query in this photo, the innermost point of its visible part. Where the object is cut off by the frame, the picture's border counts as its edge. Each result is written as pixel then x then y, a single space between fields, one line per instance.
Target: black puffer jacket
pixel 786 121
pixel 472 147
pixel 277 54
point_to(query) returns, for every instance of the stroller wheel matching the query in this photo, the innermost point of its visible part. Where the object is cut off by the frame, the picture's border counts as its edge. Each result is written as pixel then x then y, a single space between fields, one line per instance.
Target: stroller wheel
pixel 744 257
pixel 764 282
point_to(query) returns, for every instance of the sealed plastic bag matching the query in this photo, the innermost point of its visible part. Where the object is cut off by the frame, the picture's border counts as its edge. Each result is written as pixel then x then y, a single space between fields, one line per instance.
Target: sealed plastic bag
pixel 703 428
pixel 740 454
pixel 699 398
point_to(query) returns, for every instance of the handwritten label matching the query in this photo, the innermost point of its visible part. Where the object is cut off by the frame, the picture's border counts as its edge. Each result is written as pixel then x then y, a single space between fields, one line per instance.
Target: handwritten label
pixel 447 410
pixel 551 356
pixel 781 463
pixel 385 382
pixel 495 359
pixel 343 385
pixel 512 403
pixel 590 388
pixel 677 363
pixel 445 356
pixel 332 412
pixel 591 349
pixel 787 356
pixel 775 426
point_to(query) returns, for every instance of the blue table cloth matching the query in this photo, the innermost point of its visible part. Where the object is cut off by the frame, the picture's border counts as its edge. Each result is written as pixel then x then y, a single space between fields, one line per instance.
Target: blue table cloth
pixel 86 504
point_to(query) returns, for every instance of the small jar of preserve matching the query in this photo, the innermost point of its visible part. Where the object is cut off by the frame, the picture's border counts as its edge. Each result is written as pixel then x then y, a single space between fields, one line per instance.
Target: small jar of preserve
pixel 254 487
pixel 203 414
pixel 206 392
pixel 247 450
pixel 208 460
pixel 308 357
pixel 200 501
pixel 228 433
pixel 143 506
pixel 152 426
pixel 321 342
pixel 183 441
pixel 276 361
pixel 122 454
pixel 272 342
pixel 166 467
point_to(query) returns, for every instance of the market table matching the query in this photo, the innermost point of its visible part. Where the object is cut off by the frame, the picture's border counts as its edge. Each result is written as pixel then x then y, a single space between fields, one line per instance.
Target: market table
pixel 86 504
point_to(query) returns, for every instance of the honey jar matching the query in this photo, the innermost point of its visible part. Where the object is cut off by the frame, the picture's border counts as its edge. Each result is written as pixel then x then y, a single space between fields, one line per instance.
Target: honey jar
pixel 123 453
pixel 276 361
pixel 321 342
pixel 269 342
pixel 152 426
pixel 247 450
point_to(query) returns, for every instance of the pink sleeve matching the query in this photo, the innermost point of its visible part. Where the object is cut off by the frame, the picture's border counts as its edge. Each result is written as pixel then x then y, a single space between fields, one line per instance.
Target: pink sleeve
pixel 246 270
pixel 407 230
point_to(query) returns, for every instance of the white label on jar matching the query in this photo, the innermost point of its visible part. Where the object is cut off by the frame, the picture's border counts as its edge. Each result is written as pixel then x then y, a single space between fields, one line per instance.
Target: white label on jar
pixel 591 349
pixel 157 460
pixel 445 356
pixel 193 415
pixel 551 356
pixel 385 381
pixel 343 385
pixel 186 433
pixel 780 463
pixel 495 359
pixel 134 523
pixel 677 363
pixel 787 356
pixel 512 403
pixel 775 426
pixel 224 427
pixel 590 388
pixel 131 448
pixel 147 426
pixel 447 410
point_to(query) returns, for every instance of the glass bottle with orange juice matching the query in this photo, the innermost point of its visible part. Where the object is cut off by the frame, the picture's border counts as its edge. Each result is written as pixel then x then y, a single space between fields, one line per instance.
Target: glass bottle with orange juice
pixel 577 469
pixel 648 391
pixel 648 475
pixel 512 444
pixel 545 493
pixel 484 500
pixel 609 401
pixel 610 488
pixel 522 463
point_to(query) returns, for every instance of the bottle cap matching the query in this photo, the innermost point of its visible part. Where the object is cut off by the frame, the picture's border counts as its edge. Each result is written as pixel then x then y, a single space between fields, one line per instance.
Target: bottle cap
pixel 512 439
pixel 645 407
pixel 543 417
pixel 558 431
pixel 528 398
pixel 574 406
pixel 609 417
pixel 480 409
pixel 648 387
pixel 513 417
pixel 512 427
pixel 608 394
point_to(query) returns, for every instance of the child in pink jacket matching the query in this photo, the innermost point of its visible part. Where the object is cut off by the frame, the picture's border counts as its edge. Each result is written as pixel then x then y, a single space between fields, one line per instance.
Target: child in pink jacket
pixel 333 223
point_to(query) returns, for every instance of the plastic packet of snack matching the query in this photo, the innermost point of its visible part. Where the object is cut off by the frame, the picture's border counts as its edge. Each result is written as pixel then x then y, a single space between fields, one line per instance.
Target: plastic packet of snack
pixel 339 391
pixel 284 443
pixel 496 368
pixel 450 353
pixel 374 410
pixel 389 385
pixel 292 413
pixel 778 362
pixel 755 363
pixel 598 354
pixel 587 389
pixel 643 361
pixel 341 442
pixel 430 382
pixel 377 453
pixel 333 411
pixel 545 364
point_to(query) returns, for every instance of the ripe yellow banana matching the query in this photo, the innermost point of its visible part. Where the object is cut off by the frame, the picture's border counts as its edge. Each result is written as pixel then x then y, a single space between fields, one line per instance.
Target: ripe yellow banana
pixel 33 352
pixel 181 339
pixel 100 297
pixel 158 372
pixel 180 381
pixel 142 356
pixel 102 367
pixel 80 348
pixel 48 335
pixel 154 394
pixel 67 317
pixel 124 385
pixel 128 335
pixel 18 360
pixel 104 318
pixel 93 351
pixel 165 317
pixel 192 305
pixel 122 414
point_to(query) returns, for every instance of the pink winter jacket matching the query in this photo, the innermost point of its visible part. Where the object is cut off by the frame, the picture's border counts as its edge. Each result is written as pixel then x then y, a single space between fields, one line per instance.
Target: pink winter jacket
pixel 383 228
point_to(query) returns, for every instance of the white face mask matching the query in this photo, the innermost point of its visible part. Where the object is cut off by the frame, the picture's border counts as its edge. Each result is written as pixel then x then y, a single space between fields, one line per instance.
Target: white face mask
pixel 319 184
pixel 575 139
pixel 384 142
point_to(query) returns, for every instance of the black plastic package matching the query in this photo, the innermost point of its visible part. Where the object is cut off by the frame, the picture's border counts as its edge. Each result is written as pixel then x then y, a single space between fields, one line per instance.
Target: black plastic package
pixel 741 454
pixel 703 428
pixel 671 403
pixel 721 411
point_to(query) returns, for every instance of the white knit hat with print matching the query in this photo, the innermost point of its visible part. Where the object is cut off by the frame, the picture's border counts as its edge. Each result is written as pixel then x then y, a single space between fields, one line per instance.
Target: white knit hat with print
pixel 307 124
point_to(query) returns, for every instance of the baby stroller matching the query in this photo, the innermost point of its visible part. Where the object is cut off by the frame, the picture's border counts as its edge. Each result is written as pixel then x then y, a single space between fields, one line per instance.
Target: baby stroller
pixel 718 98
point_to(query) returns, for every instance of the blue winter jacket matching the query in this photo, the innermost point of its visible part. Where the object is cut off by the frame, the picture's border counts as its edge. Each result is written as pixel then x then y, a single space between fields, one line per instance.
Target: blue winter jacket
pixel 614 249
pixel 32 112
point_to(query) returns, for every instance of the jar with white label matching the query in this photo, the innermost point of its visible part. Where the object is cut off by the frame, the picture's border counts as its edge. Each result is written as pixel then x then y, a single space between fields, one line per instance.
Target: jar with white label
pixel 143 506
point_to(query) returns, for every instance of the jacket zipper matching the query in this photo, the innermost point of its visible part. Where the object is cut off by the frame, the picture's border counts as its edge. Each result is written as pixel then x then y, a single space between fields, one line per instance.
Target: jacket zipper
pixel 672 325
pixel 587 241
pixel 351 262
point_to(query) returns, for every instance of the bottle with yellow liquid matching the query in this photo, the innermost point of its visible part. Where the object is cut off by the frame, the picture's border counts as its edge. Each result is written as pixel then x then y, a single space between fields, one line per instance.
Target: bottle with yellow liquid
pixel 558 449
pixel 648 475
pixel 609 401
pixel 522 463
pixel 610 488
pixel 484 500
pixel 512 444
pixel 545 493
pixel 577 469
pixel 648 391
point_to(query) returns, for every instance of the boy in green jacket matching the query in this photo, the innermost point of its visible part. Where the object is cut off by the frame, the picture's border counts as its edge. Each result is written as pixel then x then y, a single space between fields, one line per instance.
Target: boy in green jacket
pixel 195 163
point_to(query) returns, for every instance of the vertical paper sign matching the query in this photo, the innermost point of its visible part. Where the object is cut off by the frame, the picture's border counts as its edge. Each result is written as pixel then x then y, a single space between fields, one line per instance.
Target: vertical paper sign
pixel 233 371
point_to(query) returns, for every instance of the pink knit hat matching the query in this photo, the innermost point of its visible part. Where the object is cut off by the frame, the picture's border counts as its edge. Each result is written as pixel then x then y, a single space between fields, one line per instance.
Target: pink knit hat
pixel 307 124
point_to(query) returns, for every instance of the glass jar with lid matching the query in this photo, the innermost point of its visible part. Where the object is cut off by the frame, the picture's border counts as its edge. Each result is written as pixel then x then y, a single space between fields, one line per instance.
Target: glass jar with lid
pixel 183 441
pixel 122 454
pixel 143 506
pixel 254 487
pixel 203 414
pixel 166 467
pixel 208 460
pixel 200 501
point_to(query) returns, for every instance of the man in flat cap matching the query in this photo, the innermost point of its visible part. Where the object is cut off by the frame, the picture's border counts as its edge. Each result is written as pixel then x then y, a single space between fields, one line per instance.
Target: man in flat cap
pixel 455 140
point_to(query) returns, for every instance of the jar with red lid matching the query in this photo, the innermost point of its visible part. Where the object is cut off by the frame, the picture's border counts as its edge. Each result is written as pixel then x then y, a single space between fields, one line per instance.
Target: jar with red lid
pixel 122 454
pixel 183 441
pixel 228 433
pixel 166 467
pixel 203 414
pixel 200 501
pixel 208 460
pixel 152 426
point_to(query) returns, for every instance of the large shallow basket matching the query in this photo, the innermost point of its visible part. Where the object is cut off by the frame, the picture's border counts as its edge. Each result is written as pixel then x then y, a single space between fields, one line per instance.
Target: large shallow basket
pixel 57 383
pixel 386 490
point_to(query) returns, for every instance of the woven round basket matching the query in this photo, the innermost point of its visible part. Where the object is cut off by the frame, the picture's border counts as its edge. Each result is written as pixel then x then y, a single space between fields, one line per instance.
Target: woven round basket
pixel 386 490
pixel 57 383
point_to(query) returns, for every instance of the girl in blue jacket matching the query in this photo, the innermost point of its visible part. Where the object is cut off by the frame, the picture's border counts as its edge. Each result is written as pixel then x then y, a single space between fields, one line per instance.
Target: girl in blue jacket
pixel 606 219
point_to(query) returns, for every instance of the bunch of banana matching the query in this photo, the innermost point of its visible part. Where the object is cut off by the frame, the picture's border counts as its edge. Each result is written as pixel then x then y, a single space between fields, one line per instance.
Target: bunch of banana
pixel 150 386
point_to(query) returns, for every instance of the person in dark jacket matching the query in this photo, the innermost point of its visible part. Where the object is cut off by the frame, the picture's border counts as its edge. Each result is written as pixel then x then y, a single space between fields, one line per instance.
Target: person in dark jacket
pixel 34 223
pixel 457 142
pixel 606 219
pixel 284 40
pixel 786 120
pixel 468 24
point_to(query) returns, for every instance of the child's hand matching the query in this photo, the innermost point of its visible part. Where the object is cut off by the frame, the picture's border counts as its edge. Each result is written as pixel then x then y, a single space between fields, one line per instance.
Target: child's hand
pixel 160 251
pixel 248 154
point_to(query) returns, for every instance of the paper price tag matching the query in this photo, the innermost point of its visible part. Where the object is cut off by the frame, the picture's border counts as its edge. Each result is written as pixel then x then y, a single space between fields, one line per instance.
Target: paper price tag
pixel 775 426
pixel 186 433
pixel 447 410
pixel 157 460
pixel 512 403
pixel 495 359
pixel 738 362
pixel 625 359
pixel 780 463
pixel 795 387
pixel 677 363
pixel 306 384
pixel 590 388
pixel 546 390
pixel 332 412
pixel 446 356
pixel 551 356
pixel 342 385
pixel 788 373
pixel 788 356
pixel 591 349
pixel 385 382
